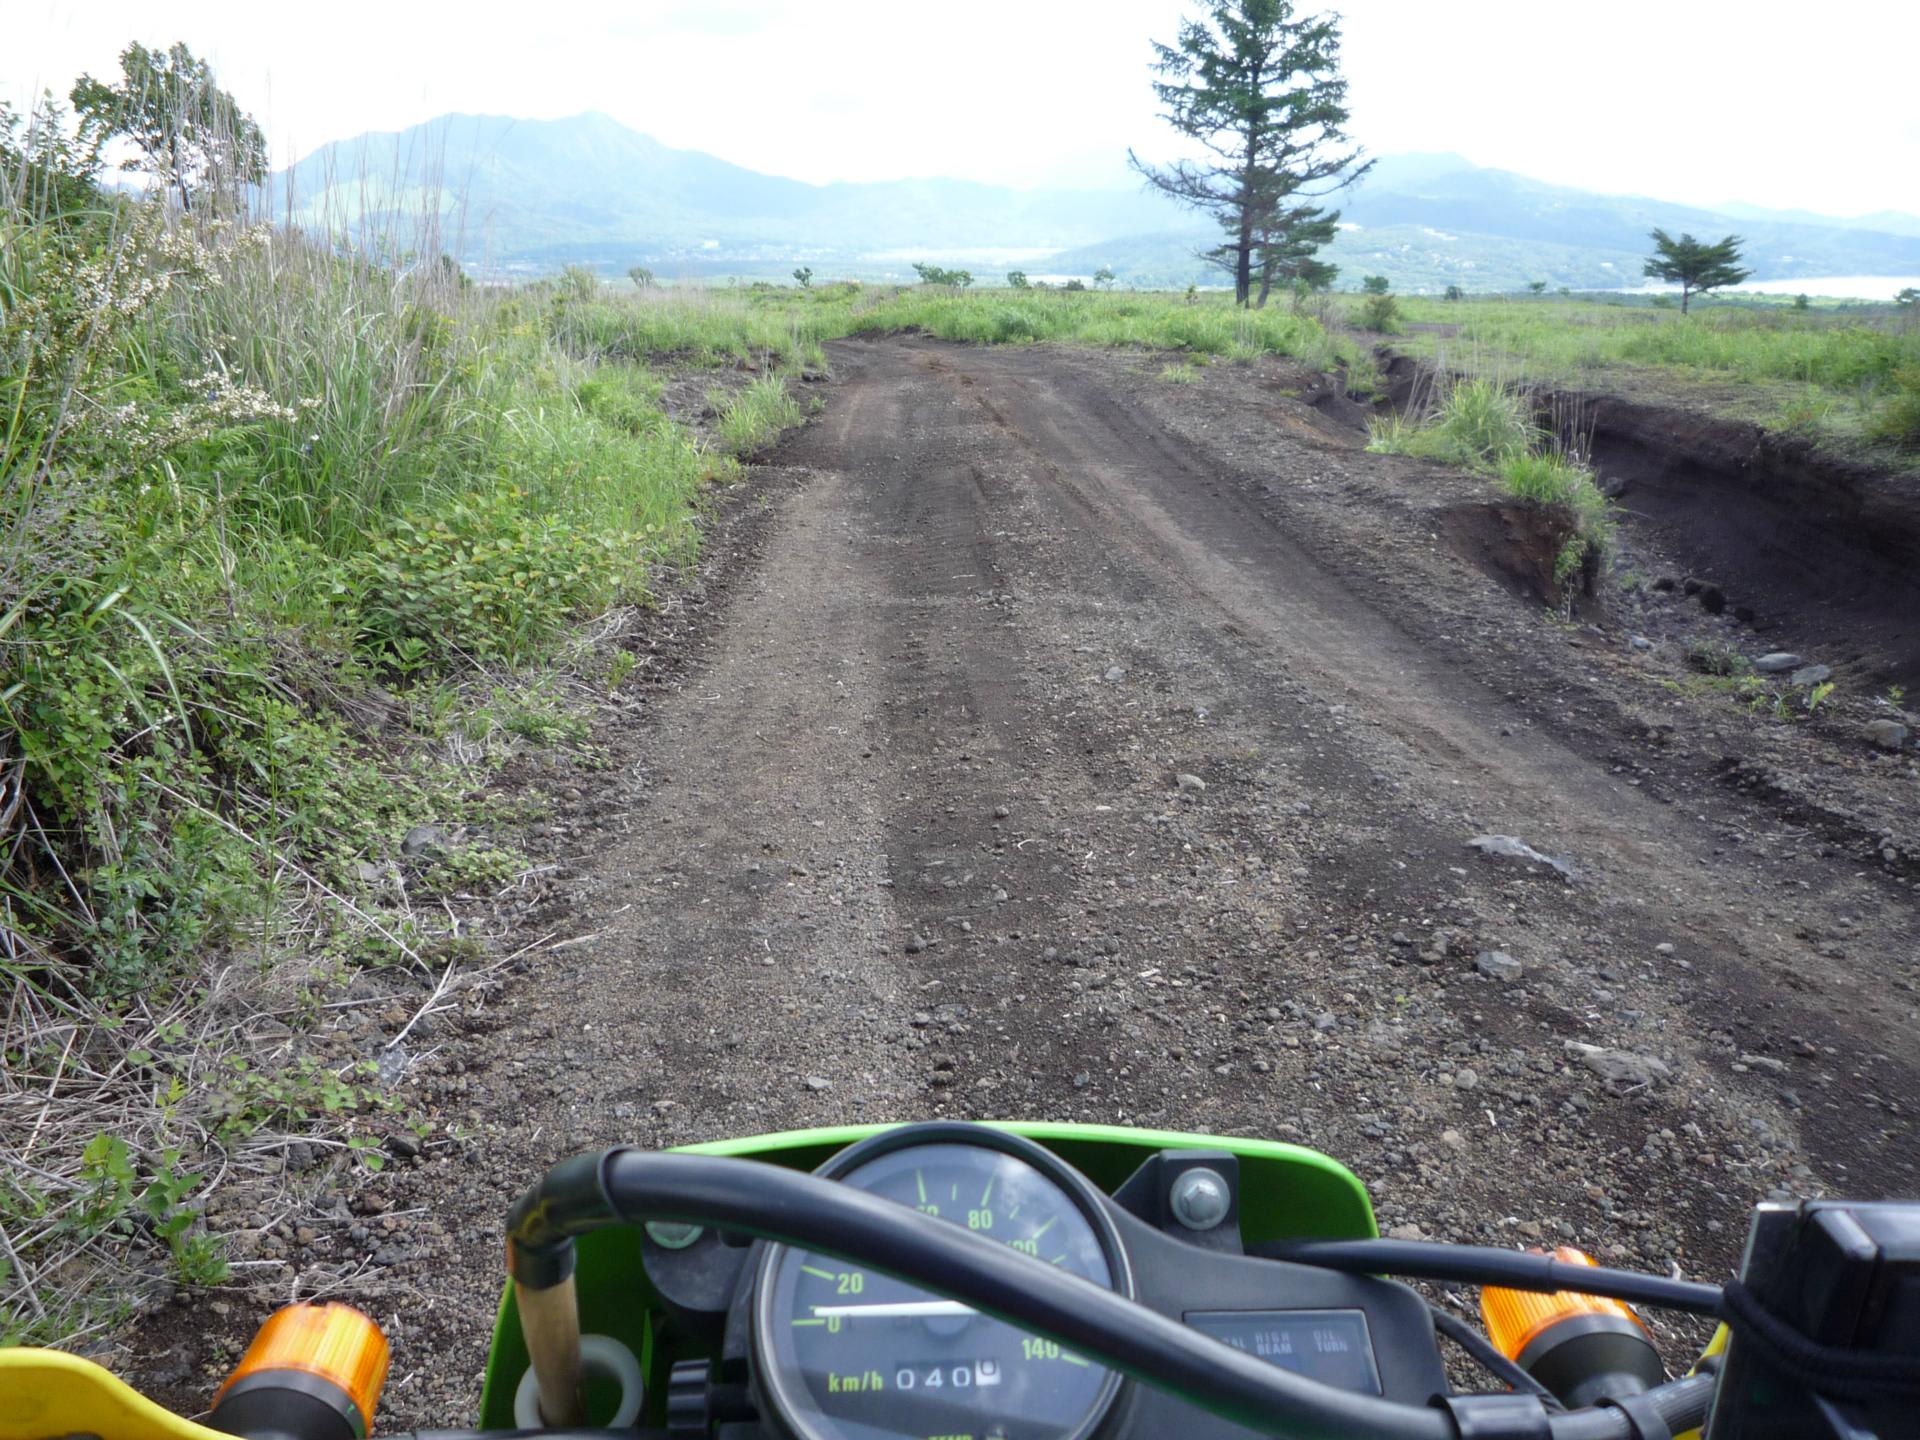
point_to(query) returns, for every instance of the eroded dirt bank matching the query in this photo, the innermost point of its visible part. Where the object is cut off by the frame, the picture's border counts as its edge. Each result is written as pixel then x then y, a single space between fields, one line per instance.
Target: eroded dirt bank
pixel 1073 744
pixel 1805 546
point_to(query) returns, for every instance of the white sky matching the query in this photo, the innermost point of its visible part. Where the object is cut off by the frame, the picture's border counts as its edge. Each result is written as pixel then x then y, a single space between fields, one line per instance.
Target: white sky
pixel 1699 101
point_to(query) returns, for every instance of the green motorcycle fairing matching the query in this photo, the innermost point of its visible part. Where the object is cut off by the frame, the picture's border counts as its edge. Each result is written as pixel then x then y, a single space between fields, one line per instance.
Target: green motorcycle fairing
pixel 1287 1192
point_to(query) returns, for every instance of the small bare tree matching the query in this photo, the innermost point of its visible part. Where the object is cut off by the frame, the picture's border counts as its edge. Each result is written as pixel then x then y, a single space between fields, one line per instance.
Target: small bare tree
pixel 192 135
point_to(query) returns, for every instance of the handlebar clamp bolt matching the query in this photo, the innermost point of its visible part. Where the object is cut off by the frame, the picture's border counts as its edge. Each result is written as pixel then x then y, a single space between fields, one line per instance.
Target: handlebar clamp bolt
pixel 1199 1198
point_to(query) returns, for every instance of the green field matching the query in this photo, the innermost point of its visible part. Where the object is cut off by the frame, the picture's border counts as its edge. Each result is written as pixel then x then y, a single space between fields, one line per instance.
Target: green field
pixel 1850 374
pixel 712 324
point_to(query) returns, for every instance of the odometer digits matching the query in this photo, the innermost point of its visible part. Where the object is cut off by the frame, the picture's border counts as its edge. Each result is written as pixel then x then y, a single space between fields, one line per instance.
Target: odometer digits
pixel 850 1354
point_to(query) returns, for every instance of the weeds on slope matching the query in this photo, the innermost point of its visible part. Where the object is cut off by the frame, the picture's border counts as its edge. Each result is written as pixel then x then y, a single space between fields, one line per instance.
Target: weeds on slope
pixel 278 525
pixel 749 419
pixel 1484 425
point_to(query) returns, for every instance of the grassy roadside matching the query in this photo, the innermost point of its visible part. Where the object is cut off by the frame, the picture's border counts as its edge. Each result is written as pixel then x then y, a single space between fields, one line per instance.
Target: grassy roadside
pixel 1848 376
pixel 297 551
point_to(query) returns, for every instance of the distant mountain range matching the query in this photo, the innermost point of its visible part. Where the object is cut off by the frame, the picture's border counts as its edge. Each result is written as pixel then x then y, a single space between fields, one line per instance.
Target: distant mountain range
pixel 521 197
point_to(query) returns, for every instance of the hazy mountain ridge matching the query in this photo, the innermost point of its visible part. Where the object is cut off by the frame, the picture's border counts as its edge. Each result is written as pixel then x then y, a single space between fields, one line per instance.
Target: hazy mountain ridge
pixel 519 196
pixel 535 193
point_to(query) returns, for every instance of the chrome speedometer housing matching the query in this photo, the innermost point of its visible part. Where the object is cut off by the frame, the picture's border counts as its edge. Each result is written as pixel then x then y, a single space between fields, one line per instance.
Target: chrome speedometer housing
pixel 845 1353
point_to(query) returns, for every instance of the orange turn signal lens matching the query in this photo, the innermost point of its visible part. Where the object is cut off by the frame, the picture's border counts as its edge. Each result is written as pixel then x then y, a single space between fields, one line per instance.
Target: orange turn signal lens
pixel 1584 1348
pixel 1516 1318
pixel 335 1344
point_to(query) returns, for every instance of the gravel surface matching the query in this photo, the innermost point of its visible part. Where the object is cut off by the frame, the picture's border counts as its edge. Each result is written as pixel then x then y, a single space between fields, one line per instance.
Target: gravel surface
pixel 1043 739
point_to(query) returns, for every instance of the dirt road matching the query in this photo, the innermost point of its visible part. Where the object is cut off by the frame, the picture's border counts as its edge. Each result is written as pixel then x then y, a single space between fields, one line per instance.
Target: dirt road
pixel 1079 744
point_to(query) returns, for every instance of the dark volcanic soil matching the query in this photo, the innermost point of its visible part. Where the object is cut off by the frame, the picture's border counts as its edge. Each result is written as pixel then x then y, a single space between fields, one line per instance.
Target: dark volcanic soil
pixel 1803 543
pixel 1076 744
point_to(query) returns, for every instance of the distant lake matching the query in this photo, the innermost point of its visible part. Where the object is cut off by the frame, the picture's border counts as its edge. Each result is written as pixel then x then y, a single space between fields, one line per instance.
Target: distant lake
pixel 1833 287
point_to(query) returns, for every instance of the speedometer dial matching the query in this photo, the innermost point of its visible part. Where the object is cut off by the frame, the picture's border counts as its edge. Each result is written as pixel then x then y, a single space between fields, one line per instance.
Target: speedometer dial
pixel 851 1354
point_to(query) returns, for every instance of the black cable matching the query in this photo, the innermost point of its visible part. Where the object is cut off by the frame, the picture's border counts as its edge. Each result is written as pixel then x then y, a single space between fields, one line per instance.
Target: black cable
pixel 1485 1265
pixel 1481 1349
pixel 1829 1370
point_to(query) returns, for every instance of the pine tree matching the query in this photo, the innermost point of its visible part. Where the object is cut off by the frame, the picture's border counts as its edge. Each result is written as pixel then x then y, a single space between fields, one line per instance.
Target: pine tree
pixel 1696 265
pixel 1288 243
pixel 1261 91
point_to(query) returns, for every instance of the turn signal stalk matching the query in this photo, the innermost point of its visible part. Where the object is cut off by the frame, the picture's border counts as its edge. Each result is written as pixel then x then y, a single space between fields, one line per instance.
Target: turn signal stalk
pixel 313 1372
pixel 1584 1348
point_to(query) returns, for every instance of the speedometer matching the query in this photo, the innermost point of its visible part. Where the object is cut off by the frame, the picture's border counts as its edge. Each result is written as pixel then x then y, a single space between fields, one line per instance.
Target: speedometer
pixel 847 1353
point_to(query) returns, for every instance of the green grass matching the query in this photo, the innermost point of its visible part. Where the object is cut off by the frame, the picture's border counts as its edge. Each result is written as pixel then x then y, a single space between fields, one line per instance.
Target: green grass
pixel 749 419
pixel 789 325
pixel 1829 371
pixel 1486 426
pixel 1899 418
pixel 1476 422
pixel 1154 322
pixel 706 326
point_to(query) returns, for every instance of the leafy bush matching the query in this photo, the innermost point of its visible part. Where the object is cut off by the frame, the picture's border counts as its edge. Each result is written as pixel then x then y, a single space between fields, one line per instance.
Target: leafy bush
pixel 1017 279
pixel 1717 657
pixel 1375 285
pixel 579 282
pixel 483 577
pixel 938 275
pixel 1380 313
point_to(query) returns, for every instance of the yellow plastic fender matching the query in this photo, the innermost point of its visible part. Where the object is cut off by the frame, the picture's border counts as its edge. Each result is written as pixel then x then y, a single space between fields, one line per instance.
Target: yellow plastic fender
pixel 45 1394
pixel 1716 1346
